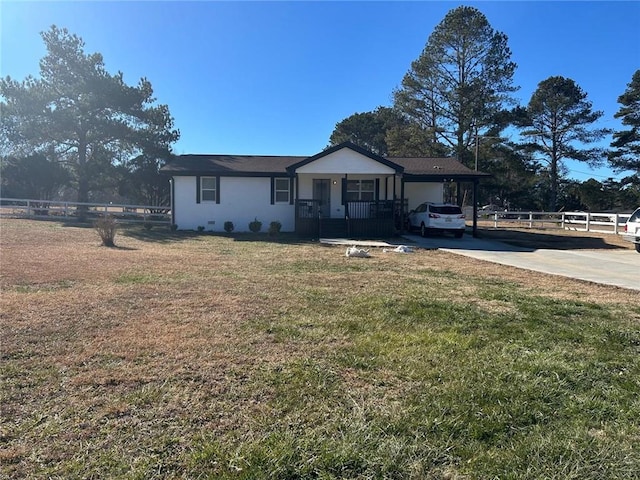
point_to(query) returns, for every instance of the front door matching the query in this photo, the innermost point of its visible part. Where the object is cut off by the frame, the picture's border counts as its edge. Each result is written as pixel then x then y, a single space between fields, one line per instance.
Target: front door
pixel 322 193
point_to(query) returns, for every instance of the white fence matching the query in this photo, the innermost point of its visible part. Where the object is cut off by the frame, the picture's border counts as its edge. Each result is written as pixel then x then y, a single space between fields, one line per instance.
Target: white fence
pixel 577 221
pixel 53 210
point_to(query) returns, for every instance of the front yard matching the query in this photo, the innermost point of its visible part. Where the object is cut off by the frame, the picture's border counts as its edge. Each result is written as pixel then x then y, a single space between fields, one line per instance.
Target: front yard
pixel 180 355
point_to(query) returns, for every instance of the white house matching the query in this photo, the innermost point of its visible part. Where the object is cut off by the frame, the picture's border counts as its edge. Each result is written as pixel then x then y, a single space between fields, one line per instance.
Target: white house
pixel 344 190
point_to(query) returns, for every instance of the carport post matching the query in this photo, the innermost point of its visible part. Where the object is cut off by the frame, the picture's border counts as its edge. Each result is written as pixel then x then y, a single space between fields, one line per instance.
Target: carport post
pixel 475 208
pixel 402 224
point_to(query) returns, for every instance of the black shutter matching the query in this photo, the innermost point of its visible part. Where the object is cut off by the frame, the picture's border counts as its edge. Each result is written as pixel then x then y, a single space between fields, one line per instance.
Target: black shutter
pixel 273 190
pixel 377 193
pixel 217 188
pixel 344 191
pixel 198 189
pixel 291 191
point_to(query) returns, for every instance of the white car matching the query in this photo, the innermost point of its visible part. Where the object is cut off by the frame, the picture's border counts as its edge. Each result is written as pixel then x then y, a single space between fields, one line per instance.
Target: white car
pixel 437 217
pixel 632 229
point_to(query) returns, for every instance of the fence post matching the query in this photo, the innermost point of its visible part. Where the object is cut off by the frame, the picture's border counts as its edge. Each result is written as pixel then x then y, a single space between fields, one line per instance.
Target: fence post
pixel 66 209
pixel 615 223
pixel 562 220
pixel 588 222
pixel 495 220
pixel 530 219
pixel 28 208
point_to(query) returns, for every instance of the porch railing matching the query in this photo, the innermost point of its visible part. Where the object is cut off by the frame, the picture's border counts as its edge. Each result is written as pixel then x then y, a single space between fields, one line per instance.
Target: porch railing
pixel 370 209
pixel 377 218
pixel 307 209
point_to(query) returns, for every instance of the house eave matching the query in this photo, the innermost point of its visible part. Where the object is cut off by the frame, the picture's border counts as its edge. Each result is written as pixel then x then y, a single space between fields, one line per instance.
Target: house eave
pixel 443 177
pixel 213 173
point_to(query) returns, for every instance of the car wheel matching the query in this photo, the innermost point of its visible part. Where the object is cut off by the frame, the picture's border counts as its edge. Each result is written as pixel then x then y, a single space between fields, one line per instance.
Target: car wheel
pixel 459 234
pixel 423 230
pixel 638 247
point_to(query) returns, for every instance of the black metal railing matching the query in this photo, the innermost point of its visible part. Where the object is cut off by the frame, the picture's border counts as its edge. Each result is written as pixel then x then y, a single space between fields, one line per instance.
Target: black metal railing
pixel 308 209
pixel 376 218
pixel 375 209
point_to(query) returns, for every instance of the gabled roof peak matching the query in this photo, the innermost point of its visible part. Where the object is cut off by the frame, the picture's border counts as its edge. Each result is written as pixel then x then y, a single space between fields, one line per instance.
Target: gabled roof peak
pixel 350 146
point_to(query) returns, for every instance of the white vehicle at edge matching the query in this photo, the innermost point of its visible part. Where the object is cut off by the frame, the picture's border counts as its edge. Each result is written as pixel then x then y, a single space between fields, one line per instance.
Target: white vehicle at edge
pixel 437 217
pixel 632 229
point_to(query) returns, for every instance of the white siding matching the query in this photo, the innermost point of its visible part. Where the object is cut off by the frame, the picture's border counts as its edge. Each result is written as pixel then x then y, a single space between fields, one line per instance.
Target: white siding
pixel 241 200
pixel 346 161
pixel 417 193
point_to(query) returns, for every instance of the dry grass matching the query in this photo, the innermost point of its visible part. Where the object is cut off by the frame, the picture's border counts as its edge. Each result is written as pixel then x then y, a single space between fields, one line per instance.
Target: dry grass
pixel 121 360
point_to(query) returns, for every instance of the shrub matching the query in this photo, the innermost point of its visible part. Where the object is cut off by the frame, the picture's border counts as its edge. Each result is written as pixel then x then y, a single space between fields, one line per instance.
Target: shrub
pixel 274 228
pixel 106 227
pixel 228 227
pixel 201 228
pixel 174 227
pixel 147 225
pixel 255 226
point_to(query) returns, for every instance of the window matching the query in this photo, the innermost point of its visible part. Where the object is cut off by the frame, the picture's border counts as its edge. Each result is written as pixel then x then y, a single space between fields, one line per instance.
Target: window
pixel 445 209
pixel 208 189
pixel 360 190
pixel 281 187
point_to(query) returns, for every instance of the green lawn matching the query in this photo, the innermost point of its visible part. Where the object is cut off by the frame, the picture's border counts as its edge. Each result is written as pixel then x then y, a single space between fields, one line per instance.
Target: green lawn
pixel 242 358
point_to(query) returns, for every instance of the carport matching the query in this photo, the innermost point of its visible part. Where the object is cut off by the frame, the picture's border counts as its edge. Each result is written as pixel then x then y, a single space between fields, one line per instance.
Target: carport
pixel 444 171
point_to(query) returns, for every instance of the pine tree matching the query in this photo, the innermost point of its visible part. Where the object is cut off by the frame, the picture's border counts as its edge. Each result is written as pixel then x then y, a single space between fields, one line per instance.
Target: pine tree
pixel 558 122
pixel 626 143
pixel 461 80
pixel 87 117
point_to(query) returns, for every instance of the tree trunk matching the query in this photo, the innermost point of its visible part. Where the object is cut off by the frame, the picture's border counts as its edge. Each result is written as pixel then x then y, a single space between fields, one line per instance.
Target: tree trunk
pixel 553 171
pixel 553 184
pixel 83 180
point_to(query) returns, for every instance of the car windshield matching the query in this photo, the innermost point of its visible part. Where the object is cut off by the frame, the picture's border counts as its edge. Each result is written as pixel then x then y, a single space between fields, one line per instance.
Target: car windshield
pixel 635 217
pixel 446 209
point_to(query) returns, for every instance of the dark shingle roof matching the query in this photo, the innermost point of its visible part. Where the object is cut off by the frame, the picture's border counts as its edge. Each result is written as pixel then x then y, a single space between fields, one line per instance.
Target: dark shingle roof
pixel 230 164
pixel 421 166
pixel 264 165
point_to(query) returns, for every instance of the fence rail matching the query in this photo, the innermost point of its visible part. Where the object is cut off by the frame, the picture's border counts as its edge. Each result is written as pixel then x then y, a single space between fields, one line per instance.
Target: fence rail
pixel 49 209
pixel 577 221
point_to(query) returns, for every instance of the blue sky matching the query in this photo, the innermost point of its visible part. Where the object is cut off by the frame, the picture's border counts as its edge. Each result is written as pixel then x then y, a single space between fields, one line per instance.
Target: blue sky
pixel 274 78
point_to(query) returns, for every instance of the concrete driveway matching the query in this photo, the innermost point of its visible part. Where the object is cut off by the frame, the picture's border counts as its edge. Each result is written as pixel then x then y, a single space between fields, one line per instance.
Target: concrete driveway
pixel 619 267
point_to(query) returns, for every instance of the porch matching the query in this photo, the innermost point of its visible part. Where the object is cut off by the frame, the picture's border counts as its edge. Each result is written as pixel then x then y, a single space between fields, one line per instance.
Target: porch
pixel 362 219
